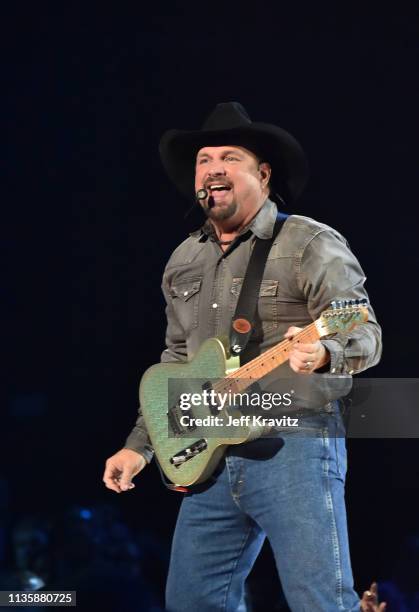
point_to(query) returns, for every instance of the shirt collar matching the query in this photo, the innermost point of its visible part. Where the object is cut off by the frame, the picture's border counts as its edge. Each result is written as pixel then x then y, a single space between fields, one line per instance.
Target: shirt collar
pixel 261 225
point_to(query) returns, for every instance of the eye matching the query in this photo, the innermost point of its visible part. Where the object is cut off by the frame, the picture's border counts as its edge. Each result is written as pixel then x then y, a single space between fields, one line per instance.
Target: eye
pixel 203 160
pixel 231 158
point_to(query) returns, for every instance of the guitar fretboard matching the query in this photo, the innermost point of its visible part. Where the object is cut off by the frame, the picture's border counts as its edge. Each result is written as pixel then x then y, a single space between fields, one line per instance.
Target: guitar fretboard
pixel 239 381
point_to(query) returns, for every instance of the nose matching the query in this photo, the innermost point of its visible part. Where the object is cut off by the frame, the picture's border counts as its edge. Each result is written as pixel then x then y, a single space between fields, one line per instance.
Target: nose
pixel 216 168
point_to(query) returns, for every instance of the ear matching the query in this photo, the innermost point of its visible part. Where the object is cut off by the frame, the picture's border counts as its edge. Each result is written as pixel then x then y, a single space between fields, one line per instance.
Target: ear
pixel 265 172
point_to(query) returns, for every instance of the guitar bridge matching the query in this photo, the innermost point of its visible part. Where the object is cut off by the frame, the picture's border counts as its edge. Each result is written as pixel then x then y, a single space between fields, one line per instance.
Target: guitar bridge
pixel 188 453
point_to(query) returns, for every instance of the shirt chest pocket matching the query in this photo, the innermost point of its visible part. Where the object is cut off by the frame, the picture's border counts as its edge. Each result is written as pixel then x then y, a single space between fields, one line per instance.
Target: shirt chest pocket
pixel 185 300
pixel 267 307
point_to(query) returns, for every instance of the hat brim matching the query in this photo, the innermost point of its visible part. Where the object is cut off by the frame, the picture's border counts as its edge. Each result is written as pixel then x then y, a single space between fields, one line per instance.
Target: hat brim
pixel 178 150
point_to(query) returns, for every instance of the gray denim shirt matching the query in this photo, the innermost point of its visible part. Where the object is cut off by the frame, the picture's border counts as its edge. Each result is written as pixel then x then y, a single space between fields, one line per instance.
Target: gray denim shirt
pixel 309 265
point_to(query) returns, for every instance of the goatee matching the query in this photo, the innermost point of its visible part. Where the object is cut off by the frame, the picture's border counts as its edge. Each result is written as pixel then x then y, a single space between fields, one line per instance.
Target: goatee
pixel 219 213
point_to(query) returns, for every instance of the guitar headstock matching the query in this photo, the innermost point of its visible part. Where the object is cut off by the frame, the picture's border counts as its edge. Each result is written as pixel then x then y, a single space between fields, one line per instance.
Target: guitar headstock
pixel 342 317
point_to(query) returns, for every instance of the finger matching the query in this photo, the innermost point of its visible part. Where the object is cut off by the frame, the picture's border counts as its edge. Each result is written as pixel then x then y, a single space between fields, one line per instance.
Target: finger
pixel 292 331
pixel 303 357
pixel 131 485
pixel 370 597
pixel 294 367
pixel 373 593
pixel 127 487
pixel 111 484
pixel 295 364
pixel 125 482
pixel 306 348
pixel 374 588
pixel 109 470
pixel 367 605
pixel 300 363
pixel 300 366
pixel 109 476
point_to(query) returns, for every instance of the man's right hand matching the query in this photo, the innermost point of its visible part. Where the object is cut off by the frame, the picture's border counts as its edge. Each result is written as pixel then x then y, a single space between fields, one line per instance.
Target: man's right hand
pixel 121 468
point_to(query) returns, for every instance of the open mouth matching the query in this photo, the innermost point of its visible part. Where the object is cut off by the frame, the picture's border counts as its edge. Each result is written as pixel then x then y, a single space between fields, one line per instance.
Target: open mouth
pixel 220 187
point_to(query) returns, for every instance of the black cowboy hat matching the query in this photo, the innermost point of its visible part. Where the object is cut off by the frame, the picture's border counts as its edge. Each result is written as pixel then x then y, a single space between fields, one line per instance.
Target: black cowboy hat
pixel 229 124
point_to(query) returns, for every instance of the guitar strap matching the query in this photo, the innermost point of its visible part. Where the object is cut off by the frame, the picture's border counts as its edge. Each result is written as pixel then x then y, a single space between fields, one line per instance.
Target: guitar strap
pixel 242 324
pixel 243 319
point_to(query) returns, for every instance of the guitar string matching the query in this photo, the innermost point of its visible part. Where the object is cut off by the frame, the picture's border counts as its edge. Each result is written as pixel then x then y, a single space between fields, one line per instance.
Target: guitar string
pixel 269 354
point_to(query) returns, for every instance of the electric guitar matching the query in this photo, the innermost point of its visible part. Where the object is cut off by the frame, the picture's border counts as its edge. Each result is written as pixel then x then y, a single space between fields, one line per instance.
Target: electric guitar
pixel 188 453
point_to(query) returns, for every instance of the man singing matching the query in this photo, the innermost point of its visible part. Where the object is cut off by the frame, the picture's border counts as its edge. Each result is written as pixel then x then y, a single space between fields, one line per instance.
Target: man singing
pixel 294 497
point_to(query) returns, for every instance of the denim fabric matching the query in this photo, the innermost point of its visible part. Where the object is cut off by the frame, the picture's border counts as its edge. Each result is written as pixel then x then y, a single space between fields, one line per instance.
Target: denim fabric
pixel 289 489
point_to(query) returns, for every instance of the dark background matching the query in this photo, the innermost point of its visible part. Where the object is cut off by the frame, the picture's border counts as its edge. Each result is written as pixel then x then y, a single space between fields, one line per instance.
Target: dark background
pixel 89 220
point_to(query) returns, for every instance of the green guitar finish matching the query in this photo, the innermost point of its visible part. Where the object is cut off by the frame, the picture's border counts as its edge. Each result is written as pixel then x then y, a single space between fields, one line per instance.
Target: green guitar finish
pixel 211 362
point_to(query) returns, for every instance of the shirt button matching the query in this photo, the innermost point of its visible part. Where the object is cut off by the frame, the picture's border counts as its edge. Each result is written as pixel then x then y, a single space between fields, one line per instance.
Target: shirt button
pixel 215 305
pixel 185 293
pixel 351 371
pixel 334 370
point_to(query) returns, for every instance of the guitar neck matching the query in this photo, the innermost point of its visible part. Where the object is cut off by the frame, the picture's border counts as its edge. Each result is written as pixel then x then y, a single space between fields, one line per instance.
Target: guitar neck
pixel 254 370
pixel 342 317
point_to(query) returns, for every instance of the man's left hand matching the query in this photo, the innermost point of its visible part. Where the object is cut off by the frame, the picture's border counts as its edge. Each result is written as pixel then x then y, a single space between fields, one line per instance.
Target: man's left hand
pixel 305 358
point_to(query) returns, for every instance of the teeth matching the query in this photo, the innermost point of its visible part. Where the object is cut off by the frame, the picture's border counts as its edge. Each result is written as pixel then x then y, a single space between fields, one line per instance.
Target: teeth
pixel 218 187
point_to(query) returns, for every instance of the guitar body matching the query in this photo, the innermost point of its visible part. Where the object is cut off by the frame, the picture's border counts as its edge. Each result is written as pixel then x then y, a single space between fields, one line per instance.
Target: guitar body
pixel 210 362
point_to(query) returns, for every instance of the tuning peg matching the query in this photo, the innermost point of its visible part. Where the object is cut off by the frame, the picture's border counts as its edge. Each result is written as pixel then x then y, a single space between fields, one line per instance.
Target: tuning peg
pixel 333 305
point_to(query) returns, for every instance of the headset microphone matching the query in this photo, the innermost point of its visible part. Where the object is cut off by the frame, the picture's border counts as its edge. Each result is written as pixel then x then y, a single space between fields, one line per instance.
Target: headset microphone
pixel 200 198
pixel 201 194
pixel 204 198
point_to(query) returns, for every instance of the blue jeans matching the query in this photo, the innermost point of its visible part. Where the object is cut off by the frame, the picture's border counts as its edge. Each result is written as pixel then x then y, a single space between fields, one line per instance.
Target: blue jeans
pixel 289 489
